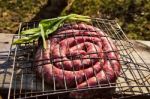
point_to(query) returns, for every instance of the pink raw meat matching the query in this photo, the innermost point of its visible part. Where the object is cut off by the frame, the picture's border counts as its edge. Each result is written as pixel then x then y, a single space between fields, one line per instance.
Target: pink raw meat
pixel 80 54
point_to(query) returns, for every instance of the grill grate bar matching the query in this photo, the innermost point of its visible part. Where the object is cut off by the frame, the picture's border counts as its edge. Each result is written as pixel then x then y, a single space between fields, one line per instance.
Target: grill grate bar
pixel 89 57
pixel 80 56
pixel 76 82
pixel 133 79
pixel 140 73
pixel 119 37
pixel 131 68
pixel 14 59
pixel 92 62
pixel 52 70
pixel 107 31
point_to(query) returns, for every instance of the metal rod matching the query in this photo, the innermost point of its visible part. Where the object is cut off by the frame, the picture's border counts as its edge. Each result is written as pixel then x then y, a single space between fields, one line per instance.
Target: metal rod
pixel 22 55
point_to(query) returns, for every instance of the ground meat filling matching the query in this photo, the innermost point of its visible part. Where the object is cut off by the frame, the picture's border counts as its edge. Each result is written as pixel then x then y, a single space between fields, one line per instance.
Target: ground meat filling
pixel 78 55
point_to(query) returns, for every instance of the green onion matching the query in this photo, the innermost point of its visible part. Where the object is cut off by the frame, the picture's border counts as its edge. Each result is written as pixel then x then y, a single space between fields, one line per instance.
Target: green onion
pixel 48 26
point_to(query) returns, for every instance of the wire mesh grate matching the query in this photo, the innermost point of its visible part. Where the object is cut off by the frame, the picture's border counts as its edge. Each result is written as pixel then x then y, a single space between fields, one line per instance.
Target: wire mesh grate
pixel 133 79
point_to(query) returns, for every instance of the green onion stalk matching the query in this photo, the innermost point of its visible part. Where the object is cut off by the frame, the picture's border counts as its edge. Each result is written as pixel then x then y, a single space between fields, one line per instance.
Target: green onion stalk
pixel 48 26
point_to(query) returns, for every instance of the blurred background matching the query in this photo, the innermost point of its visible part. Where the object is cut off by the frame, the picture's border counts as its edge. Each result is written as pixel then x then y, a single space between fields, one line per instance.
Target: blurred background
pixel 132 15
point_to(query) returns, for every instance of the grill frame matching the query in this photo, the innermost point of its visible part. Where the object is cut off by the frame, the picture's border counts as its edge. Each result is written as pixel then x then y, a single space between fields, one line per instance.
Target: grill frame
pixel 112 28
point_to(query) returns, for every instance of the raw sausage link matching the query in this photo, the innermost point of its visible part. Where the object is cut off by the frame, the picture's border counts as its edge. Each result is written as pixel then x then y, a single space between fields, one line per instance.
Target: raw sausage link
pixel 78 52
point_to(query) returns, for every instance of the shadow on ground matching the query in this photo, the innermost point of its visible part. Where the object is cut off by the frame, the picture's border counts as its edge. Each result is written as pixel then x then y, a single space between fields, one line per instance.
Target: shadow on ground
pixel 53 8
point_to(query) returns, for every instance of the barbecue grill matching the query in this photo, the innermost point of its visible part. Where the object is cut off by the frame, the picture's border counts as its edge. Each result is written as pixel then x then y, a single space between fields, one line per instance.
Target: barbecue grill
pixel 134 79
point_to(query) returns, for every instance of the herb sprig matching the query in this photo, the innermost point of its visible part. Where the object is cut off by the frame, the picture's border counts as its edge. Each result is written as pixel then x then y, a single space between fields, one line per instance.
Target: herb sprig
pixel 48 26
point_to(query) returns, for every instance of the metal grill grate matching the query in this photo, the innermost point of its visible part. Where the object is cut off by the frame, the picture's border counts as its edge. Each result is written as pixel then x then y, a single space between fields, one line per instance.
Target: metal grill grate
pixel 133 80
